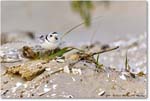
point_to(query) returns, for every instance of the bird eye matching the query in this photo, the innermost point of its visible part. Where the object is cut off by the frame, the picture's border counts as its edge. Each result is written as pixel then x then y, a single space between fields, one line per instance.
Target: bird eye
pixel 50 35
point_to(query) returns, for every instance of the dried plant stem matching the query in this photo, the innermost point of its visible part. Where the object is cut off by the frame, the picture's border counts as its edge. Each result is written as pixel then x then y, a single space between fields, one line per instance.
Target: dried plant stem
pixel 105 51
pixel 75 48
pixel 67 32
pixel 72 29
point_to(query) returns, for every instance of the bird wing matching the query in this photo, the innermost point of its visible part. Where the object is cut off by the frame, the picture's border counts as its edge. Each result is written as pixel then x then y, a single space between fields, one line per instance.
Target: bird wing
pixel 42 38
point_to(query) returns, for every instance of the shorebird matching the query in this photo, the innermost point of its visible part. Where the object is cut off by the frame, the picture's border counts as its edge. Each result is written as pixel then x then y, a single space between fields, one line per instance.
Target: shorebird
pixel 50 41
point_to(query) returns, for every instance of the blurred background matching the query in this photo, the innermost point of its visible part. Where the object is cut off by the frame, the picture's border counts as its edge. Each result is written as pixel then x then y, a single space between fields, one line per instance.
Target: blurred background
pixel 116 19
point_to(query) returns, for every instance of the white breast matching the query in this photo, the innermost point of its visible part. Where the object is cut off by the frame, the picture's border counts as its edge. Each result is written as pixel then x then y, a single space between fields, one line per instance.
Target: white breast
pixel 49 45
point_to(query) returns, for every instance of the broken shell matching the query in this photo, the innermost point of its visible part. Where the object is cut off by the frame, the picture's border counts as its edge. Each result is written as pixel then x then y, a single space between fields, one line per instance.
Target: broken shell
pixel 53 94
pixel 73 79
pixel 41 94
pixel 25 85
pixel 54 86
pixel 66 69
pixel 123 77
pixel 18 84
pixel 48 69
pixel 101 93
pixel 46 89
pixel 60 60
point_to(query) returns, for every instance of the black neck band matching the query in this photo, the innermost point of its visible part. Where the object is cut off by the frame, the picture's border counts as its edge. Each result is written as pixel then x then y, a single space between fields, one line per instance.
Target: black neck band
pixel 47 38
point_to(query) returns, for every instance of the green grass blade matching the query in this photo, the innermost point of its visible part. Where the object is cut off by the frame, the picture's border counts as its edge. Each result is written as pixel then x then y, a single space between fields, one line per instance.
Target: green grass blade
pixel 59 53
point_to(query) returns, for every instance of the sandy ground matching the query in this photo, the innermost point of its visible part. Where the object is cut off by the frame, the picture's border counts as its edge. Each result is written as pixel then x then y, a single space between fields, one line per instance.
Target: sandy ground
pixel 82 80
pixel 123 25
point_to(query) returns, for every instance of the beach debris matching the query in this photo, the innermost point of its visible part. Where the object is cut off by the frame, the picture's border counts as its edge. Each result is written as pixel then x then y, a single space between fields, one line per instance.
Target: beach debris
pixel 126 94
pixel 73 79
pixel 101 93
pixel 133 72
pixel 123 77
pixel 25 85
pixel 89 57
pixel 141 73
pixel 45 90
pixel 127 66
pixel 4 93
pixel 48 69
pixel 66 69
pixel 54 86
pixel 18 84
pixel 27 71
pixel 28 53
pixel 10 56
pixel 60 60
pixel 57 54
pixel 53 94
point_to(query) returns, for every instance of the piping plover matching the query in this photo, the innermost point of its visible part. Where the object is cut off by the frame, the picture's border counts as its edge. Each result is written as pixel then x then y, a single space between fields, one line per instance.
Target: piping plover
pixel 50 41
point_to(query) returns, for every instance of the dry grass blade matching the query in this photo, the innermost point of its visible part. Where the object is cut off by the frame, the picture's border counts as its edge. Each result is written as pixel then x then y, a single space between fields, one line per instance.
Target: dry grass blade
pixel 75 48
pixel 104 51
pixel 97 58
pixel 127 67
pixel 72 29
pixel 67 32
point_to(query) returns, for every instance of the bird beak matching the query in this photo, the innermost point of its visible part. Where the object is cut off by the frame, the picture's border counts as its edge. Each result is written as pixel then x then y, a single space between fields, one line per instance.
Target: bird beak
pixel 56 38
